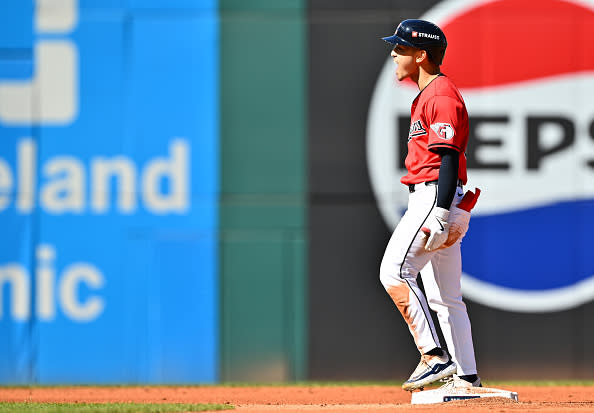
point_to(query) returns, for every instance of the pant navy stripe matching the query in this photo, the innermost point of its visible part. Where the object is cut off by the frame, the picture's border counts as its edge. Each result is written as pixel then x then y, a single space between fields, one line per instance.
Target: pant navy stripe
pixel 427 316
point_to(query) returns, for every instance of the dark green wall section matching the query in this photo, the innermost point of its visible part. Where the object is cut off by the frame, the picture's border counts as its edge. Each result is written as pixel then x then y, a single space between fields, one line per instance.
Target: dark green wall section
pixel 263 190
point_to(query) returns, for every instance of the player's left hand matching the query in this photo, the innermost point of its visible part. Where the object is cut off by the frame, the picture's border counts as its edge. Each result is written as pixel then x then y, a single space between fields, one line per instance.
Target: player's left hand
pixel 436 228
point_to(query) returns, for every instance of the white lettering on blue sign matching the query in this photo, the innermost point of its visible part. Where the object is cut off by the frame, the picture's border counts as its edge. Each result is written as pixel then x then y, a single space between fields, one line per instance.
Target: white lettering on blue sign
pixel 68 186
pixel 52 290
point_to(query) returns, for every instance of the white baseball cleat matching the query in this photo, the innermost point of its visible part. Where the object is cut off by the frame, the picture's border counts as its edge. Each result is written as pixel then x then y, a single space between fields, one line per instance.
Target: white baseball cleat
pixel 430 369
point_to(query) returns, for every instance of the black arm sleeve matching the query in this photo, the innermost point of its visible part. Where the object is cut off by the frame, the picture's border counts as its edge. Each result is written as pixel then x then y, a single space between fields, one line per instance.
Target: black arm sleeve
pixel 448 177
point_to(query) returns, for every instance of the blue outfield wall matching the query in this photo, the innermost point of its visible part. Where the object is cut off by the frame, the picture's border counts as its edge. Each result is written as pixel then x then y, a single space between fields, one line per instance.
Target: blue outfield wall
pixel 108 191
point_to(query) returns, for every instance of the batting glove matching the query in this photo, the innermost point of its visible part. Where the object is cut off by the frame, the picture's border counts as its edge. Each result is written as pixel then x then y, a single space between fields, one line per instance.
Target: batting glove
pixel 436 228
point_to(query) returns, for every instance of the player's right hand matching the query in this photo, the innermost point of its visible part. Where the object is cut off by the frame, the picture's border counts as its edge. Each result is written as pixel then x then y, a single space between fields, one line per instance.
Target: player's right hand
pixel 437 228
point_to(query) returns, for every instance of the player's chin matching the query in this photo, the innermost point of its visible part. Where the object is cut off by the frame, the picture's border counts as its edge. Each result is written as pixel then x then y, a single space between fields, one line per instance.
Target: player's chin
pixel 400 74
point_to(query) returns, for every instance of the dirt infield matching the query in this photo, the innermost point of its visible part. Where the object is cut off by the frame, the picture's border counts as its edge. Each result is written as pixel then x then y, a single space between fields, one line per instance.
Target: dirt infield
pixel 324 399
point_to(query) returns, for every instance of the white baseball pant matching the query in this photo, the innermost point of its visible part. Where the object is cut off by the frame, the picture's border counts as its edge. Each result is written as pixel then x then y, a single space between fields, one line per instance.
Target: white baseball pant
pixel 405 258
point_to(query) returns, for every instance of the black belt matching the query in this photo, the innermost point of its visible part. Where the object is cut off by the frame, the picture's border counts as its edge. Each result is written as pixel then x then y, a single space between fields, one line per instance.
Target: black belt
pixel 411 187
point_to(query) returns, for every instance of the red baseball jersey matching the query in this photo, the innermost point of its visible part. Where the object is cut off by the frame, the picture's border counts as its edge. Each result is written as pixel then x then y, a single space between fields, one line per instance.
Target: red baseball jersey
pixel 438 120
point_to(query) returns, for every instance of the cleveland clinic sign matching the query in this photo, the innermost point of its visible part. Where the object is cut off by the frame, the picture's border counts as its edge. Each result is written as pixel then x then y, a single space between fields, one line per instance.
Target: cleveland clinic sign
pixel 67 184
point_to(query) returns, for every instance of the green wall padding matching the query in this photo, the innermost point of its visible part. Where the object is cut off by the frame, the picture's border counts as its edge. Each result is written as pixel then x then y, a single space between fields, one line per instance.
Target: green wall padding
pixel 263 190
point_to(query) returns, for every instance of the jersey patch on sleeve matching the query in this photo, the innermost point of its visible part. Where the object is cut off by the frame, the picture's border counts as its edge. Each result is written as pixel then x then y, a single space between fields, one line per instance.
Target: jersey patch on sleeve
pixel 443 130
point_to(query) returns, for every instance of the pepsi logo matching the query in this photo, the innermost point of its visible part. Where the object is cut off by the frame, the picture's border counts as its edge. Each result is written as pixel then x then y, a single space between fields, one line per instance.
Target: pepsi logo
pixel 531 147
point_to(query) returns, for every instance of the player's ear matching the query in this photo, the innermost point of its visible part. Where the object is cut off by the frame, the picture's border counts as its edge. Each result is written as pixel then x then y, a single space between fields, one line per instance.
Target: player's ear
pixel 421 56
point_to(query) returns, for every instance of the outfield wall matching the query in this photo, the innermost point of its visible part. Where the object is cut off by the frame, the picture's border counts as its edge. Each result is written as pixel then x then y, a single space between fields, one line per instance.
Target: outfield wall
pixel 263 230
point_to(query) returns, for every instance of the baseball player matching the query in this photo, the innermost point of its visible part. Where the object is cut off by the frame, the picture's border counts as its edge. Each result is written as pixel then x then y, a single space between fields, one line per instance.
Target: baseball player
pixel 436 166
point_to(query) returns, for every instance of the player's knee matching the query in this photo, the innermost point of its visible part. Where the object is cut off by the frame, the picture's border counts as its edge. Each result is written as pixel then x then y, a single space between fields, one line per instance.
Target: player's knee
pixel 391 274
pixel 388 274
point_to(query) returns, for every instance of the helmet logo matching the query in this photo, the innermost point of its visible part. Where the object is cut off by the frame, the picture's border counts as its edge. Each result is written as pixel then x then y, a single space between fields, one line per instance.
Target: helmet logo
pixel 427 35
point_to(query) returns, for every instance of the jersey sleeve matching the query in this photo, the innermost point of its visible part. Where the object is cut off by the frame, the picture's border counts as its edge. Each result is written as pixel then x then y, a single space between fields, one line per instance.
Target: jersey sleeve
pixel 444 115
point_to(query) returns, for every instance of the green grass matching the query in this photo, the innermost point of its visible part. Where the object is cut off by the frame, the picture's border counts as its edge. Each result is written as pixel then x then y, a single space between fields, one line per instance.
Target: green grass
pixel 108 407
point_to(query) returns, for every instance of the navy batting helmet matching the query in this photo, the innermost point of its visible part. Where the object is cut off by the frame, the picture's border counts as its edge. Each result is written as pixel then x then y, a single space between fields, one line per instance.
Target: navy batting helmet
pixel 421 34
